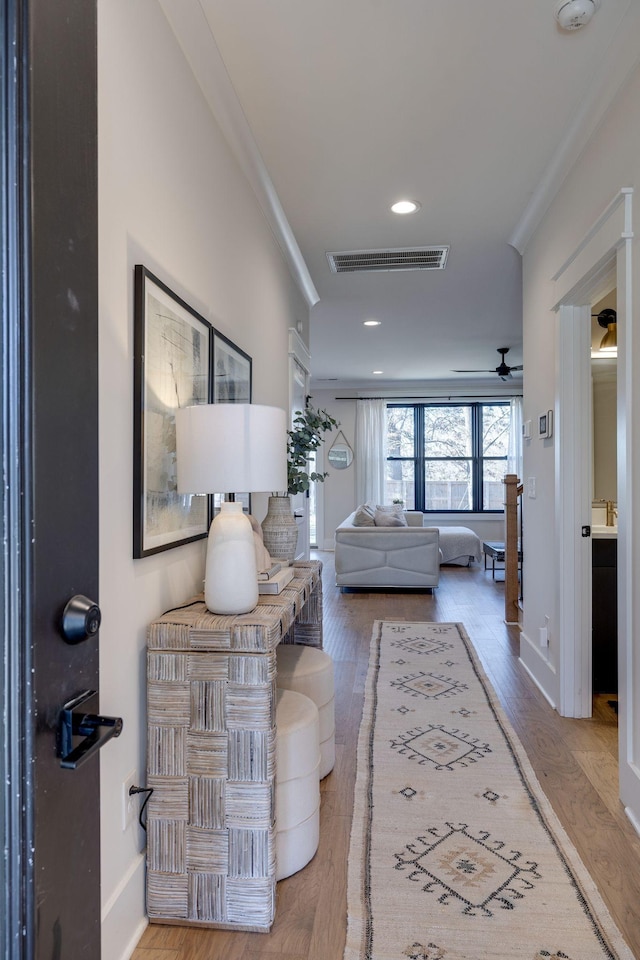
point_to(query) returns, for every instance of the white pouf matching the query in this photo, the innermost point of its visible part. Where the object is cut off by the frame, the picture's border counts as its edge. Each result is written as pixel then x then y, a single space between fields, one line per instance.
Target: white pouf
pixel 309 671
pixel 297 800
pixel 296 847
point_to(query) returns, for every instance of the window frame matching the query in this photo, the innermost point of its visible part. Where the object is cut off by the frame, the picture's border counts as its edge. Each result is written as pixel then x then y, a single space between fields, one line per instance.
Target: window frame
pixel 476 460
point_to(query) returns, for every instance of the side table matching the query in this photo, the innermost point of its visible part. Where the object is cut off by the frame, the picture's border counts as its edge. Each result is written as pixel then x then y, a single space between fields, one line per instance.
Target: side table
pixel 495 550
pixel 211 755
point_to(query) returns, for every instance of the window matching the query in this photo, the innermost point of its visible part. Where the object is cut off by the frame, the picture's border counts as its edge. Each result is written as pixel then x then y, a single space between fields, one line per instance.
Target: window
pixel 447 456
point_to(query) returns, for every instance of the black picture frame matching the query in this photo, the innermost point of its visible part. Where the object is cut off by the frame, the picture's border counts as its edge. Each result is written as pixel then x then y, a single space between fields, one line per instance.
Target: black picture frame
pixel 232 382
pixel 232 371
pixel 173 362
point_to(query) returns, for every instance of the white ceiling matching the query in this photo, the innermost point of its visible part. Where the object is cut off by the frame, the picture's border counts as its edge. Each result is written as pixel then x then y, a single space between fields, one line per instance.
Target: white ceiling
pixel 474 109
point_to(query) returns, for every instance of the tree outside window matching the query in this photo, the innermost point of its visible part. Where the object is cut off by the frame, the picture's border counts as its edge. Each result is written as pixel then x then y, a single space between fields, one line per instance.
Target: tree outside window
pixel 447 457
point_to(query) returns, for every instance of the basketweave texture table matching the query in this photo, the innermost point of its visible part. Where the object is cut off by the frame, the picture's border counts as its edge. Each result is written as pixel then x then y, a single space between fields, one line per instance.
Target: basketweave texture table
pixel 211 698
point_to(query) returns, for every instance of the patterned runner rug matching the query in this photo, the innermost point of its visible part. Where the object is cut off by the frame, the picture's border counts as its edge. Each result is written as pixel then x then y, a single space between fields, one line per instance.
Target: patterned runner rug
pixel 455 852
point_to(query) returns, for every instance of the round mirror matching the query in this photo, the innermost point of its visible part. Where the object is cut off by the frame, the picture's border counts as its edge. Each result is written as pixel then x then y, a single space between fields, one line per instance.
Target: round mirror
pixel 340 455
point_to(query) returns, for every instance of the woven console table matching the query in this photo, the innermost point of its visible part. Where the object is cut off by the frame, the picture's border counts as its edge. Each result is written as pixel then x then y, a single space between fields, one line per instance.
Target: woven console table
pixel 211 755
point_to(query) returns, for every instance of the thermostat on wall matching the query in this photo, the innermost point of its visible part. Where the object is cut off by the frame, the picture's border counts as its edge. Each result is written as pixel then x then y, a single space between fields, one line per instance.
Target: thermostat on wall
pixel 526 430
pixel 545 424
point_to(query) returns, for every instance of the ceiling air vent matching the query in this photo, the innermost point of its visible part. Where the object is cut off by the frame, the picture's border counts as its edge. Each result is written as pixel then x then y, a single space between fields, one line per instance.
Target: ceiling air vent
pixel 379 261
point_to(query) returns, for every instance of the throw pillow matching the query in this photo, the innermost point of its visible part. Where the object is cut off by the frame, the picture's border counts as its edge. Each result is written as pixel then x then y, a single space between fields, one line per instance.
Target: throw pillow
pixel 363 516
pixel 393 508
pixel 387 518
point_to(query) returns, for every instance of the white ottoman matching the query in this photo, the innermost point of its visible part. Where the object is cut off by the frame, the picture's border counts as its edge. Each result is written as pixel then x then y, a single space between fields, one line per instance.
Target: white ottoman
pixel 297 782
pixel 309 671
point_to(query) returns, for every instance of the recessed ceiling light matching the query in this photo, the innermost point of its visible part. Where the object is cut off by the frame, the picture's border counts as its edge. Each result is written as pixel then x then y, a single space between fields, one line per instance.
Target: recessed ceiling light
pixel 405 206
pixel 371 323
pixel 377 372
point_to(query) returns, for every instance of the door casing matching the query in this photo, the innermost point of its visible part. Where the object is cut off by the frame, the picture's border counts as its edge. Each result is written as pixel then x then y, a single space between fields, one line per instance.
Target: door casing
pixel 604 257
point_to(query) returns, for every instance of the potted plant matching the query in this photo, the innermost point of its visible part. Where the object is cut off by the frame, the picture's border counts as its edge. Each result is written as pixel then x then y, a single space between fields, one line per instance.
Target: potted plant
pixel 279 528
pixel 303 440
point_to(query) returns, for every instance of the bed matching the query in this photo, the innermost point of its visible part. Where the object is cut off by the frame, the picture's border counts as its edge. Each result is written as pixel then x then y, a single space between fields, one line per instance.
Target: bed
pixel 459 545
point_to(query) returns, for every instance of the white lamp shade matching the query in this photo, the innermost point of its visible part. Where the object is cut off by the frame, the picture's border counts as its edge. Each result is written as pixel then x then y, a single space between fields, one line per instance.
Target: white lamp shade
pixel 231 447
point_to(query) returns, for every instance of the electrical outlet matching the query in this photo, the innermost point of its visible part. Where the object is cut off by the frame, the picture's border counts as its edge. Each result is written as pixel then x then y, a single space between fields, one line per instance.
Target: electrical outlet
pixel 130 802
pixel 531 487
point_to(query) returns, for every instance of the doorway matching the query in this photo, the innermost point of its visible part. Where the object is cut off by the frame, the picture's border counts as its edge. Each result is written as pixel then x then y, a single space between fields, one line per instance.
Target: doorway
pixel 603 259
pixel 604 506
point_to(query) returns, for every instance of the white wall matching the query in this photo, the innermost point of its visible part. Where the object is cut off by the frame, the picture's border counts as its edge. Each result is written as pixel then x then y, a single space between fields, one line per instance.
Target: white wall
pixel 337 494
pixel 610 161
pixel 171 197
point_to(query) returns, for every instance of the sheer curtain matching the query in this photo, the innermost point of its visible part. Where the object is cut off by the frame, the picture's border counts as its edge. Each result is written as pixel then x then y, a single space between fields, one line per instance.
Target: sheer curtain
pixel 371 450
pixel 514 454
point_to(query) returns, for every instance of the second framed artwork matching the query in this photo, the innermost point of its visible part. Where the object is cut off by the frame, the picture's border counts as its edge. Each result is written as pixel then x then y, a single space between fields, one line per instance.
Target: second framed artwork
pixel 231 384
pixel 231 372
pixel 176 351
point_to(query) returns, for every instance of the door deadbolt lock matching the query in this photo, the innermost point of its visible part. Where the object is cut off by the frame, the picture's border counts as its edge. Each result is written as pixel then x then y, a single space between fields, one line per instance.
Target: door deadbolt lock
pixel 80 619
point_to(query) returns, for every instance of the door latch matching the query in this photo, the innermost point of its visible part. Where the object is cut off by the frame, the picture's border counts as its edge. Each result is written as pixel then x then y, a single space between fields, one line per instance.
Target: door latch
pixel 586 530
pixel 75 721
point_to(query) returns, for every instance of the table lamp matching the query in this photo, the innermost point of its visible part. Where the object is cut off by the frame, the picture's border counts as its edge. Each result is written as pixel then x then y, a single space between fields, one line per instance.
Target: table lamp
pixel 228 448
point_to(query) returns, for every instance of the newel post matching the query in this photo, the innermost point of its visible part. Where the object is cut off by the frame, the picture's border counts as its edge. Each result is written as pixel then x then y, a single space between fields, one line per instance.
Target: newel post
pixel 512 489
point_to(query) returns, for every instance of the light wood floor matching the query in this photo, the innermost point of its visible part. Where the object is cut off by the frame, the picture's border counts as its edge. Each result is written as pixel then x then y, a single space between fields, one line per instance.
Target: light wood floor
pixel 575 761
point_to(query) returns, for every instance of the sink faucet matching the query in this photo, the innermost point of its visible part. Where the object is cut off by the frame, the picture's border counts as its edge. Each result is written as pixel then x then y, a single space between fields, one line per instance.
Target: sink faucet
pixel 612 513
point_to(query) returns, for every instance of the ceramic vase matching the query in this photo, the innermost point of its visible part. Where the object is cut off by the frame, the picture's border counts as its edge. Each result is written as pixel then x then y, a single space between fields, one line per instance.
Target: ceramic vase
pixel 280 530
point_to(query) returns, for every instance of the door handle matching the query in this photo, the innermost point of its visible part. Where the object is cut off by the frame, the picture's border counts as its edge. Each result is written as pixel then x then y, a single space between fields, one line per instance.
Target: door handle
pixel 76 720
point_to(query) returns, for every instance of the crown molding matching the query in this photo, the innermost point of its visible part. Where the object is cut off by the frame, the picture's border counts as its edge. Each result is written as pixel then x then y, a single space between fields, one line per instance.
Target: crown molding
pixel 191 28
pixel 611 72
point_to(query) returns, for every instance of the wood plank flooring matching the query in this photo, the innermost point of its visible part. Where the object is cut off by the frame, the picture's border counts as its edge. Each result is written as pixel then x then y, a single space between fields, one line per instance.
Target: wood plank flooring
pixel 575 761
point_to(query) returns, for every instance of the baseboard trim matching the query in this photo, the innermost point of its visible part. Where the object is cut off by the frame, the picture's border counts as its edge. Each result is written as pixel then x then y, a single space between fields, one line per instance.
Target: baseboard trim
pixel 123 915
pixel 136 863
pixel 130 949
pixel 633 820
pixel 532 675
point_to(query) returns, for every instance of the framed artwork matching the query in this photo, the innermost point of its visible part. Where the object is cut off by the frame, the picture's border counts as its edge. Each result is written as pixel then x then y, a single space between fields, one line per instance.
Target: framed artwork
pixel 231 384
pixel 545 424
pixel 172 368
pixel 231 372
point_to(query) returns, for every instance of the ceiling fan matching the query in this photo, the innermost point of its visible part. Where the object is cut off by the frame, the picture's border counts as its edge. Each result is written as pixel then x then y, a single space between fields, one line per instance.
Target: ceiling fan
pixel 503 369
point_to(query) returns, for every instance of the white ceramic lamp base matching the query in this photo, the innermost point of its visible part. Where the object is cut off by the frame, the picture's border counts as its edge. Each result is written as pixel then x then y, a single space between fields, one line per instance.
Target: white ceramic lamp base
pixel 231 577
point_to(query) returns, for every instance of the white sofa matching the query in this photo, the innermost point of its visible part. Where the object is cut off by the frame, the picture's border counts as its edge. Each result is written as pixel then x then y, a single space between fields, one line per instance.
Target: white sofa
pixel 370 556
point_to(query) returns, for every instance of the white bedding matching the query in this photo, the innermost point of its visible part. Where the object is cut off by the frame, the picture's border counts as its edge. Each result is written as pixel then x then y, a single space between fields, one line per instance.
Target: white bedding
pixel 459 545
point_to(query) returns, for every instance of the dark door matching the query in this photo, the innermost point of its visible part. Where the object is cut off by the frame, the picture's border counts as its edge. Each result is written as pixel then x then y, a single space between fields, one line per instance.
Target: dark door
pixel 50 456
